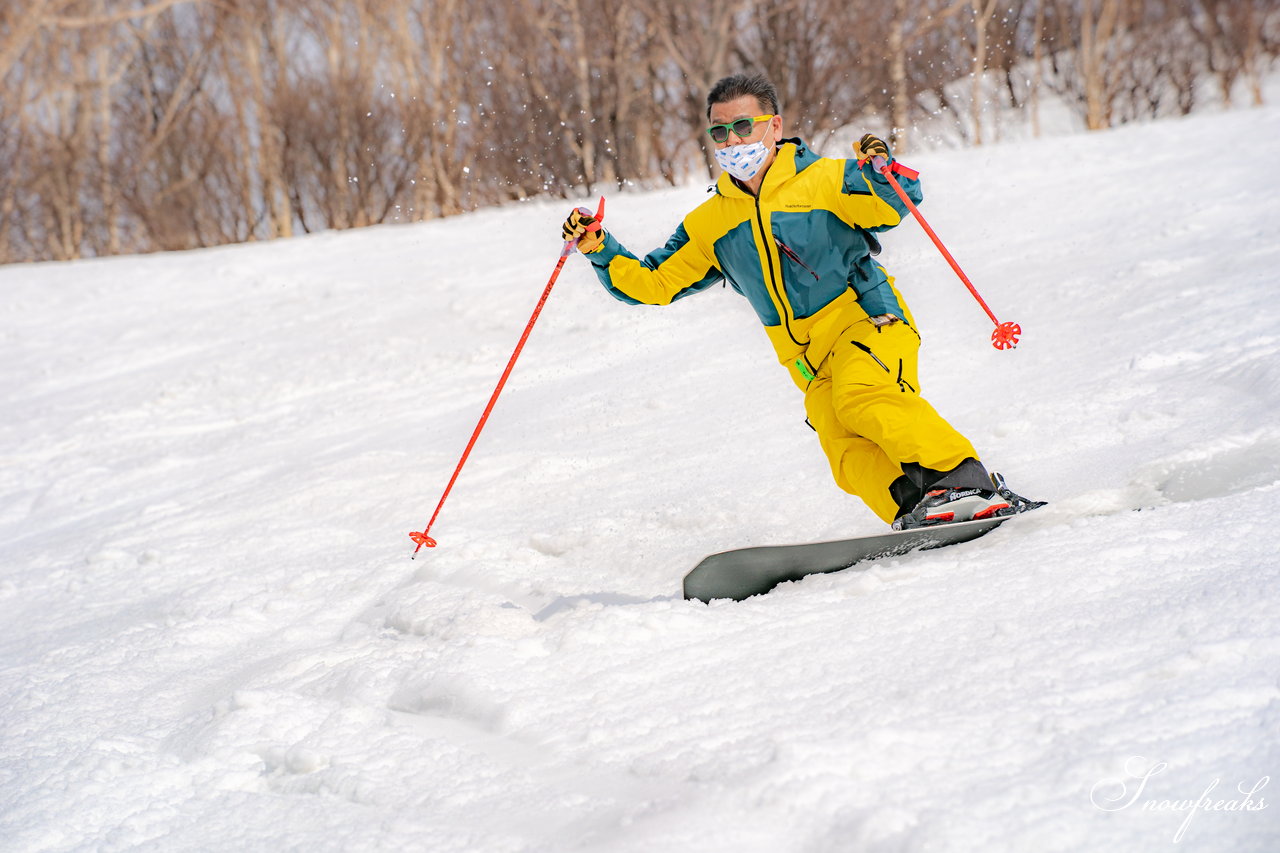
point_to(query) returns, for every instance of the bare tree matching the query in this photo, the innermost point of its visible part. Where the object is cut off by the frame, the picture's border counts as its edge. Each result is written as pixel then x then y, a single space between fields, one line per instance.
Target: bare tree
pixel 1234 34
pixel 910 25
pixel 983 11
pixel 695 45
pixel 137 125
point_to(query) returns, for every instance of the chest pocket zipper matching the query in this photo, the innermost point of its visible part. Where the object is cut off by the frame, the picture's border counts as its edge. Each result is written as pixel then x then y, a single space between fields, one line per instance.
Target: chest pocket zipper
pixel 791 253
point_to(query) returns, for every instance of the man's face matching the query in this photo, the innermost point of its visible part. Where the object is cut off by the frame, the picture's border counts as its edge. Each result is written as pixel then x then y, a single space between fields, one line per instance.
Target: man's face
pixel 746 107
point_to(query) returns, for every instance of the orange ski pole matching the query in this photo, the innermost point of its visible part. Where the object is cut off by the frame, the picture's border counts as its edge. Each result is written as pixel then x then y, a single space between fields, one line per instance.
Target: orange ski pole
pixel 424 537
pixel 1006 334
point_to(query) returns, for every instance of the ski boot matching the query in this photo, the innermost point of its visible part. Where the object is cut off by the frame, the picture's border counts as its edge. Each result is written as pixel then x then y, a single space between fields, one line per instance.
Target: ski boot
pixel 948 506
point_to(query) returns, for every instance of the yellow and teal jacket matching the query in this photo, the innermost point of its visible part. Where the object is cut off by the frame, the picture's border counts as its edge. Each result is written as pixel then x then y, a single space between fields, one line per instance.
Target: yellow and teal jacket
pixel 801 253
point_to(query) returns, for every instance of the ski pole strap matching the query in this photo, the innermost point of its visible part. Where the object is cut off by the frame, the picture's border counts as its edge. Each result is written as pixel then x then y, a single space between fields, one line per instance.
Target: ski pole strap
pixel 906 171
pixel 598 216
pixel 896 168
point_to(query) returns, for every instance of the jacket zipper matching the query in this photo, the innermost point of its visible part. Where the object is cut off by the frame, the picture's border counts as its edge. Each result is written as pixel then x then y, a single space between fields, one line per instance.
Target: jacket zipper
pixel 765 238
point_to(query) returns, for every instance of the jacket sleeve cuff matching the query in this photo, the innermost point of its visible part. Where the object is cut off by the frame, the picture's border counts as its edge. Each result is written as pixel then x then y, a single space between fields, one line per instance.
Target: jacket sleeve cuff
pixel 608 249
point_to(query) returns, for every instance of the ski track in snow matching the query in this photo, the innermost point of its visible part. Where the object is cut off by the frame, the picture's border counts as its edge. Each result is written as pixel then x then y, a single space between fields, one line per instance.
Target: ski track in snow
pixel 212 638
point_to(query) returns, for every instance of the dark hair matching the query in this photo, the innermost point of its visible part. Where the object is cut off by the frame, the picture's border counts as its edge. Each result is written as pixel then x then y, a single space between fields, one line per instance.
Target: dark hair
pixel 736 85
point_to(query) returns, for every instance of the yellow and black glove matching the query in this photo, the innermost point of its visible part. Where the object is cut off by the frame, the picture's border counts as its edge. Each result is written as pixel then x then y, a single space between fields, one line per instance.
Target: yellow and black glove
pixel 871 146
pixel 584 228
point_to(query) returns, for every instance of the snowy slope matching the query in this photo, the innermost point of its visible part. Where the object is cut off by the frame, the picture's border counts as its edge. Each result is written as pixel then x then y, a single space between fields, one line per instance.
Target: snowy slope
pixel 212 636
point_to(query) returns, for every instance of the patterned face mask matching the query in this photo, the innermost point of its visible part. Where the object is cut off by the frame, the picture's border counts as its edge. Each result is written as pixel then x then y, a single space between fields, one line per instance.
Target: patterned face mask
pixel 743 161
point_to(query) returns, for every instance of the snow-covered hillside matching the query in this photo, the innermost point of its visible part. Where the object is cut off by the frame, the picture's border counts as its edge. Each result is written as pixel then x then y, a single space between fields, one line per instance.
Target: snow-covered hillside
pixel 212 636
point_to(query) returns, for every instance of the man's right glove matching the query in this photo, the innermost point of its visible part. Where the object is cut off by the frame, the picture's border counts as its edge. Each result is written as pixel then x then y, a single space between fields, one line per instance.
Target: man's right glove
pixel 870 146
pixel 584 228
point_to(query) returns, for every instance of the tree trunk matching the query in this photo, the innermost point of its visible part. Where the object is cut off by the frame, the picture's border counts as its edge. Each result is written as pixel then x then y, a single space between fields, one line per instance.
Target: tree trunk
pixel 898 78
pixel 982 13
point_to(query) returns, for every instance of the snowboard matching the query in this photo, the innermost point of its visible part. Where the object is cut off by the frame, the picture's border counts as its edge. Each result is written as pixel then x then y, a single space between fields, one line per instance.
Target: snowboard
pixel 745 572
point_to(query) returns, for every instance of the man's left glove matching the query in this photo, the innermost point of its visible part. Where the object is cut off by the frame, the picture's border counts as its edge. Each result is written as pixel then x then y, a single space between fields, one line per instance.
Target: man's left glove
pixel 871 146
pixel 579 227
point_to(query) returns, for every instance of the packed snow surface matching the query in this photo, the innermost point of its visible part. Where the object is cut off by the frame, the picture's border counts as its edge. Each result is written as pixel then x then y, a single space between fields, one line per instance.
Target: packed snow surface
pixel 212 636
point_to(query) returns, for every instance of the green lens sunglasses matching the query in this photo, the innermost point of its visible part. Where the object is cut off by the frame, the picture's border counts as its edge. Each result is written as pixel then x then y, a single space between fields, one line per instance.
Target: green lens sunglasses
pixel 744 127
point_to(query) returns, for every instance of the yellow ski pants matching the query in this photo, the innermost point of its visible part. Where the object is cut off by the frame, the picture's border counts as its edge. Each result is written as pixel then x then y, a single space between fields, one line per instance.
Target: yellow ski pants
pixel 864 401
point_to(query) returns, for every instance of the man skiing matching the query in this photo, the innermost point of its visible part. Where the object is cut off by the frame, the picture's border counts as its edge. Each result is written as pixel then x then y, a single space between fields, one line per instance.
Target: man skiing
pixel 794 233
